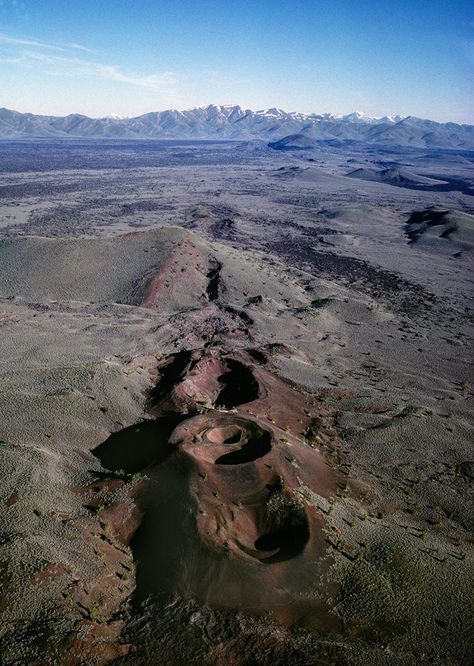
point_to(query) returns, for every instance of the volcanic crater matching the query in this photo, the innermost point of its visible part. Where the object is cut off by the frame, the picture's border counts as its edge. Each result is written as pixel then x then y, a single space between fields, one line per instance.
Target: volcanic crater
pixel 223 487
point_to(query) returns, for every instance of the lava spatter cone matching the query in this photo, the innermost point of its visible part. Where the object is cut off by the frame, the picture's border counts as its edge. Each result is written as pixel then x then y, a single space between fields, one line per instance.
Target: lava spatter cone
pixel 229 510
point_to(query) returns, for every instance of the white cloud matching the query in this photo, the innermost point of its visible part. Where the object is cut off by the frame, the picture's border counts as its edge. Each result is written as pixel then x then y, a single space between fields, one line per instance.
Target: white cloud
pixel 150 81
pixel 15 41
pixel 80 47
pixel 61 61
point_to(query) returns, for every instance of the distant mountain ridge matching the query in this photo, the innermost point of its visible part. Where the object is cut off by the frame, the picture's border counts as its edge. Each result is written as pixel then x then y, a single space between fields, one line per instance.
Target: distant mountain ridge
pixel 237 123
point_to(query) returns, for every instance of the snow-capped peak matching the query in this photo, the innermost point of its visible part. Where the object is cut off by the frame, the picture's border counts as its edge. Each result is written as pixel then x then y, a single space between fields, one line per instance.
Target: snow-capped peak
pixel 355 117
pixel 114 116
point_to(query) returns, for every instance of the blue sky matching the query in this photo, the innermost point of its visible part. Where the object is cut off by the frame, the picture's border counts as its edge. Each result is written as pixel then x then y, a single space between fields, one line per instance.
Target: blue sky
pixel 101 57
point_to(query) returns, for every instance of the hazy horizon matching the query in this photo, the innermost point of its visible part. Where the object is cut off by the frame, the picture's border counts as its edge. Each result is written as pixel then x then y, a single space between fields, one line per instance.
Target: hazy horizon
pixel 388 59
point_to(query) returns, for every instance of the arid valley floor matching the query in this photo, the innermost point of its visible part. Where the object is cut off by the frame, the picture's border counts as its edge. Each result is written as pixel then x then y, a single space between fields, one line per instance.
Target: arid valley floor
pixel 235 399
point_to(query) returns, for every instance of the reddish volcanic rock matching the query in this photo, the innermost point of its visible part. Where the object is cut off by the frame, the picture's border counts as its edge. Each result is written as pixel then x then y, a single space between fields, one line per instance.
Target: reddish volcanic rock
pixel 186 383
pixel 228 522
pixel 218 500
pixel 95 643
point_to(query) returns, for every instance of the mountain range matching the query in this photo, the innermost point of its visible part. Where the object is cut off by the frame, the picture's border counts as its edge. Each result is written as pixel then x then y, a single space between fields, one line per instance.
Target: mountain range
pixel 237 123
